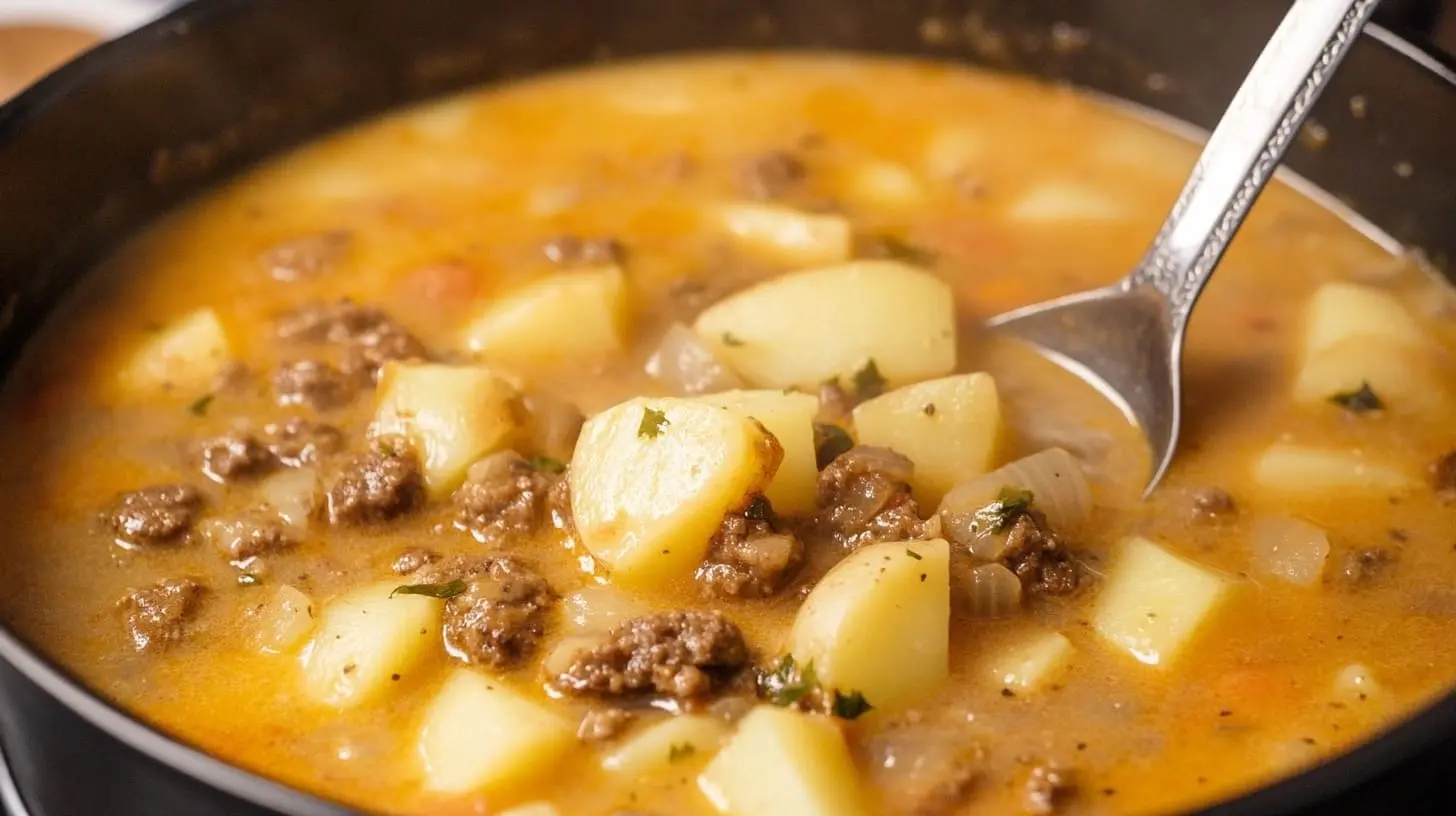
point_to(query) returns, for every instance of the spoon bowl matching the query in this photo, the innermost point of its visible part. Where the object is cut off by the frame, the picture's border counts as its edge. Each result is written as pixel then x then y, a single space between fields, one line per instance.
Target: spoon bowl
pixel 1126 339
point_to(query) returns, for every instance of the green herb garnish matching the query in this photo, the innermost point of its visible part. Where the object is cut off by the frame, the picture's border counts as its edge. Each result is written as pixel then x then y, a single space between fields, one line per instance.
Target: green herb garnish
pixel 248 579
pixel 850 706
pixel 1360 400
pixel 758 509
pixel 680 750
pixel 830 441
pixel 731 340
pixel 548 465
pixel 446 590
pixel 915 555
pixel 199 405
pixel 787 682
pixel 1010 503
pixel 653 423
pixel 868 381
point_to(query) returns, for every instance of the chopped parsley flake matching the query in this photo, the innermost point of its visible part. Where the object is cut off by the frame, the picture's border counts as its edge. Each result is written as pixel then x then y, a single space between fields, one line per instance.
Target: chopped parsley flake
pixel 446 590
pixel 1360 400
pixel 850 706
pixel 653 423
pixel 731 340
pixel 787 682
pixel 915 555
pixel 546 464
pixel 200 405
pixel 1002 513
pixel 868 381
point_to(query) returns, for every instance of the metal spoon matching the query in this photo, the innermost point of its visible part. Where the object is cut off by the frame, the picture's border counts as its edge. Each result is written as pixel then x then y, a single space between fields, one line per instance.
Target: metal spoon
pixel 1127 339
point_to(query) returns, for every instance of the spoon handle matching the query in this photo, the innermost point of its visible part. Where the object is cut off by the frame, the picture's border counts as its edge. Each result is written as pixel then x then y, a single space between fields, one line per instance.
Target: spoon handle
pixel 1245 148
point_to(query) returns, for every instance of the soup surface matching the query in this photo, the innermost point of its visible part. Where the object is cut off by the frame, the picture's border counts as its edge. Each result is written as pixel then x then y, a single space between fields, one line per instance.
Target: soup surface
pixel 307 483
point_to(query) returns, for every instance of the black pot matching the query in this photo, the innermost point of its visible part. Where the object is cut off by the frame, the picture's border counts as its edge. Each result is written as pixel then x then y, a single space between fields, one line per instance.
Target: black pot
pixel 110 142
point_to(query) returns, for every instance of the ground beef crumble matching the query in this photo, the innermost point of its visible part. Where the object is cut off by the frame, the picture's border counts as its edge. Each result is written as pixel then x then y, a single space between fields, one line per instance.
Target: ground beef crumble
pixel 503 500
pixel 864 497
pixel 685 655
pixel 748 557
pixel 500 617
pixel 1038 557
pixel 163 514
pixel 376 486
pixel 158 616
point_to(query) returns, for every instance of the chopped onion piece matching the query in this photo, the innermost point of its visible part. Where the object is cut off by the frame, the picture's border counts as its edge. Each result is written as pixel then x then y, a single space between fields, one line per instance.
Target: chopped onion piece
pixel 596 609
pixel 552 423
pixel 994 592
pixel 293 495
pixel 284 621
pixel 560 658
pixel 1055 480
pixel 686 363
pixel 1289 549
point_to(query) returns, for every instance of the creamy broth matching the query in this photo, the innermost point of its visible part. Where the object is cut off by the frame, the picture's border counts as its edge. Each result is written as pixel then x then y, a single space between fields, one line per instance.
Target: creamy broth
pixel 1008 191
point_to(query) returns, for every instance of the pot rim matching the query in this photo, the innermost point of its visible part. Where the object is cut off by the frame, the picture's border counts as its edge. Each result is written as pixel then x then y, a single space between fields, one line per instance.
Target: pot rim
pixel 1398 742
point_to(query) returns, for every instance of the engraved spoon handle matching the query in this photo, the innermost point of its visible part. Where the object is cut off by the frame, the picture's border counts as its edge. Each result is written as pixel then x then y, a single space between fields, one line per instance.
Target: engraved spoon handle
pixel 1245 148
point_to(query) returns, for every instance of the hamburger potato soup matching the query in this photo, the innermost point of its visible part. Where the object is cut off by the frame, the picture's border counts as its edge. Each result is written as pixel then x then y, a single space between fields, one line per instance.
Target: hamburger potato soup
pixel 625 442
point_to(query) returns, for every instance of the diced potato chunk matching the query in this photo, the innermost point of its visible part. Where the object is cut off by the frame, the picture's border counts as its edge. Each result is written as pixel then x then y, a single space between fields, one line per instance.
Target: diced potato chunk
pixel 785 235
pixel 783 762
pixel 790 418
pixel 1055 201
pixel 1406 380
pixel 1341 311
pixel 882 184
pixel 363 639
pixel 1299 471
pixel 285 620
pixel 1031 663
pixel 185 357
pixel 479 734
pixel 451 415
pixel 1154 602
pixel 564 316
pixel 652 479
pixel 879 623
pixel 807 327
pixel 667 746
pixel 950 428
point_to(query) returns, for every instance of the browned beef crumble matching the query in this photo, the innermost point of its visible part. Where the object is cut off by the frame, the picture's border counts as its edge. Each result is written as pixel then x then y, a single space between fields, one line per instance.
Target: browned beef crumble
pixel 367 336
pixel 748 558
pixel 297 441
pixel 235 455
pixel 314 383
pixel 771 175
pixel 1212 504
pixel 572 250
pixel 503 499
pixel 158 615
pixel 310 256
pixel 249 536
pixel 376 486
pixel 558 506
pixel 1365 565
pixel 1443 476
pixel 163 514
pixel 1038 557
pixel 864 497
pixel 680 654
pixel 413 559
pixel 603 724
pixel 500 617
pixel 1048 789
